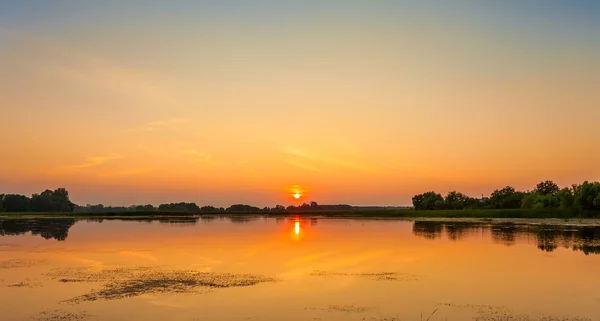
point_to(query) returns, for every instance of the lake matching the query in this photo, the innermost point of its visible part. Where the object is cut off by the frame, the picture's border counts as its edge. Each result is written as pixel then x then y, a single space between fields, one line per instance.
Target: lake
pixel 295 268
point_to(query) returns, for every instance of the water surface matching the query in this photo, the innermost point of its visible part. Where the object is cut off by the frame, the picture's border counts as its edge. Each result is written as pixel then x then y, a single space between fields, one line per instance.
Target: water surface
pixel 259 268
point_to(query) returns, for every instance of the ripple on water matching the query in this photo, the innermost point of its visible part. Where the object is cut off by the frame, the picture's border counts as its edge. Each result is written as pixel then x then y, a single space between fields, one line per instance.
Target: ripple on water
pixel 378 276
pixel 19 263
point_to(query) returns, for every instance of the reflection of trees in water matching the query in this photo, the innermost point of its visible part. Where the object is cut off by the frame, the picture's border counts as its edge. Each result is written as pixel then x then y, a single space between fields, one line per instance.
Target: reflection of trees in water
pixel 184 220
pixel 589 241
pixel 586 240
pixel 457 231
pixel 504 234
pixel 428 230
pixel 548 239
pixel 52 228
pixel 242 219
pixel 454 231
pixel 179 221
pixel 587 249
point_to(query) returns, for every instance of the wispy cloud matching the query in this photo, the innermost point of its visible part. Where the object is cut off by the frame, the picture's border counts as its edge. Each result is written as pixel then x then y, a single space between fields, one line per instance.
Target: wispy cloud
pixel 315 162
pixel 126 172
pixel 158 125
pixel 198 156
pixel 301 165
pixel 70 63
pixel 97 160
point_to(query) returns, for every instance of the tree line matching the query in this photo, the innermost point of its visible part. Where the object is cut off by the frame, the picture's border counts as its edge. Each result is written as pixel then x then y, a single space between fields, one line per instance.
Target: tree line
pixel 583 197
pixel 193 207
pixel 47 201
pixel 58 201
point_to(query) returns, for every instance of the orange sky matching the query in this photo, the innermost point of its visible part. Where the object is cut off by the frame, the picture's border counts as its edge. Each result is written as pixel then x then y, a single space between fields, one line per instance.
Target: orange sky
pixel 356 107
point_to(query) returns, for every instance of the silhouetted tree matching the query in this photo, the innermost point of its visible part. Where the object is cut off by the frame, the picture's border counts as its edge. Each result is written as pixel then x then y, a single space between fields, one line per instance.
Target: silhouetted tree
pixel 179 207
pixel 427 201
pixel 241 208
pixel 52 201
pixel 16 203
pixel 60 197
pixel 586 196
pixel 566 198
pixel 145 208
pixel 546 188
pixel 278 208
pixel 507 198
pixel 210 209
pixel 456 200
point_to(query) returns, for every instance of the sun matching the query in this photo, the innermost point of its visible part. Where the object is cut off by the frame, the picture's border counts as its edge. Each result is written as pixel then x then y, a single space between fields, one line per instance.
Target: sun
pixel 296 192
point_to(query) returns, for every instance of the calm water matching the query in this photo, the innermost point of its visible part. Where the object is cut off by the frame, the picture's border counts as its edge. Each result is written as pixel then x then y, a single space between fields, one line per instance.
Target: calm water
pixel 227 268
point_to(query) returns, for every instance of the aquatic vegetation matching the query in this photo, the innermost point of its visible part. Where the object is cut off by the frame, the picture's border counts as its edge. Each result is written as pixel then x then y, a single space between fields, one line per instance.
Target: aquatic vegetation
pixel 500 313
pixel 61 315
pixel 25 284
pixel 120 283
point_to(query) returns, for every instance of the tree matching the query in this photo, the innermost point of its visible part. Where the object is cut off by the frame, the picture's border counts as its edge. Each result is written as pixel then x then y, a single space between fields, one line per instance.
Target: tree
pixel 145 208
pixel 209 209
pixel 456 200
pixel 242 208
pixel 15 203
pixel 42 202
pixel 597 201
pixel 278 208
pixel 427 201
pixel 179 207
pixel 565 198
pixel 1 200
pixel 60 198
pixel 507 197
pixel 546 188
pixel 586 195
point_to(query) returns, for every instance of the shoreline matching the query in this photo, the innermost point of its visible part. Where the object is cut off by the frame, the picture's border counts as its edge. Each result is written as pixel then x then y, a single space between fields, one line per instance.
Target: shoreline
pixel 553 222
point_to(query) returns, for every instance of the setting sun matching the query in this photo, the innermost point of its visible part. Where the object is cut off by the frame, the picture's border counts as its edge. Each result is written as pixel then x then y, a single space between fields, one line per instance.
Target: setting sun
pixel 296 191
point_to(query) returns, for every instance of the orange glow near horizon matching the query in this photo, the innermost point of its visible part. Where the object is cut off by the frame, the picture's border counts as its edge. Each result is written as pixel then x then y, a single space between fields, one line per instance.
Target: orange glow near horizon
pixel 371 120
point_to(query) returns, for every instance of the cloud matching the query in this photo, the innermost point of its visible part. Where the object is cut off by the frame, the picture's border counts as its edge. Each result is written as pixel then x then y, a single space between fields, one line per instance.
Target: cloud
pixel 97 160
pixel 158 125
pixel 126 172
pixel 198 156
pixel 304 166
pixel 67 62
pixel 302 159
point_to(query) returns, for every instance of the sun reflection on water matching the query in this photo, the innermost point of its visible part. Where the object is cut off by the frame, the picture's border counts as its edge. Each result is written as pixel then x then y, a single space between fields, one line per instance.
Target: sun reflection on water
pixel 297 226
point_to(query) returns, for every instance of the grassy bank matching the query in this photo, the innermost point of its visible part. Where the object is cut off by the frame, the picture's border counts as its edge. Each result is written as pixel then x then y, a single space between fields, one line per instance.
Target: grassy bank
pixel 408 213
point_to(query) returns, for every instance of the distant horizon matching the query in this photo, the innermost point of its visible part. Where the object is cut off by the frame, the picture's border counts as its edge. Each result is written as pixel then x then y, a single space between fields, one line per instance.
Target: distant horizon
pixel 292 201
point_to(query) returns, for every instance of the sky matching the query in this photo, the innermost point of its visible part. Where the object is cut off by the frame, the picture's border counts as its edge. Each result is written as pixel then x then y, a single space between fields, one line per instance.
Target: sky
pixel 358 102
